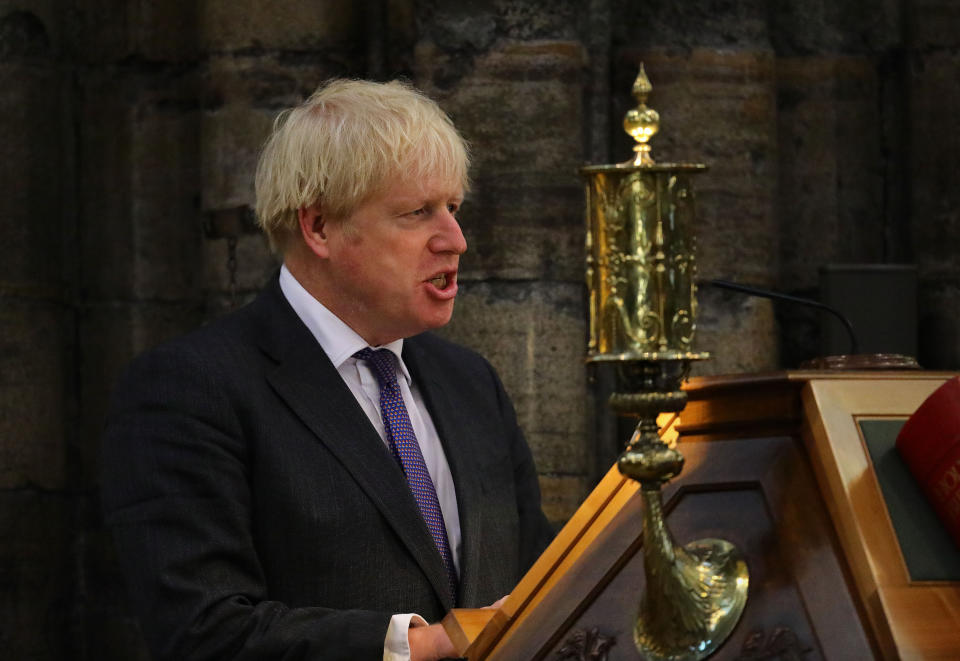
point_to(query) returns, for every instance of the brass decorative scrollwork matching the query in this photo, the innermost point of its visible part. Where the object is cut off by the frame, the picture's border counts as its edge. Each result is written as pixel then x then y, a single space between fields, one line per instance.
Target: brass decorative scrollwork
pixel 641 267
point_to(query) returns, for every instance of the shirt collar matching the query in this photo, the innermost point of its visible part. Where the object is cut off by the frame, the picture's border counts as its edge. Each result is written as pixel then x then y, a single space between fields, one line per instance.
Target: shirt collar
pixel 335 337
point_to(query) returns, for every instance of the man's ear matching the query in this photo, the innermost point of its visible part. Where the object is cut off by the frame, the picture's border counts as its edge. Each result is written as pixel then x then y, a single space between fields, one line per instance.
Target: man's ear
pixel 313 229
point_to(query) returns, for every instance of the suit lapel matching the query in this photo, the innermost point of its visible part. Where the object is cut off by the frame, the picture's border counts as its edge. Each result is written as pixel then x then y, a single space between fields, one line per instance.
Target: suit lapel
pixel 307 381
pixel 454 427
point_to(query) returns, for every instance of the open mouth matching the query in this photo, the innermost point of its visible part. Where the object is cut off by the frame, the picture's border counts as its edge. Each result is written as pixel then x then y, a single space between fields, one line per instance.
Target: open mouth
pixel 440 281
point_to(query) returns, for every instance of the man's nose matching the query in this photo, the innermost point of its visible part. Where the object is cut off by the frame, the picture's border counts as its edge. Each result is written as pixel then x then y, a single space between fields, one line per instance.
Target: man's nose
pixel 450 237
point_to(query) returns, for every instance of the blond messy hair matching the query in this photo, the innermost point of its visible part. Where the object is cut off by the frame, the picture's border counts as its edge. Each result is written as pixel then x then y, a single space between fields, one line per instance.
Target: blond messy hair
pixel 347 142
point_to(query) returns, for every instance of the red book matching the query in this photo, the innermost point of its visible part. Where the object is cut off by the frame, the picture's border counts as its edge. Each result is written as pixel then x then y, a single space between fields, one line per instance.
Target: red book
pixel 929 444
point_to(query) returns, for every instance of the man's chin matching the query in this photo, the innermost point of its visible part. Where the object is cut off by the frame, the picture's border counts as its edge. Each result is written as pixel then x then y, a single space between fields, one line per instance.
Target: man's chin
pixel 440 318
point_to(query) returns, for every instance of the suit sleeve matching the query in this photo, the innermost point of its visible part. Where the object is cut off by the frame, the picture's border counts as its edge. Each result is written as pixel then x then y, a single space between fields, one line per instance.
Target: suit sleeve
pixel 176 489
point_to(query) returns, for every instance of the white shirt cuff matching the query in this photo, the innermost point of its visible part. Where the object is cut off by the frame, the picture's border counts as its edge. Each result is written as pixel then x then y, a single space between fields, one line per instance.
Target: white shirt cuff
pixel 396 646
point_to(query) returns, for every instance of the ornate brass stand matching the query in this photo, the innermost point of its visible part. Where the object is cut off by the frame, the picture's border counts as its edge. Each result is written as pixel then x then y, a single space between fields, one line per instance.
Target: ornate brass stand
pixel 641 276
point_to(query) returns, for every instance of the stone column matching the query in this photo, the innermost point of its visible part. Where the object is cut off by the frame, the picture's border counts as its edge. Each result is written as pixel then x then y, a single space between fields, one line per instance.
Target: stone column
pixel 137 114
pixel 37 394
pixel 840 173
pixel 511 76
pixel 934 143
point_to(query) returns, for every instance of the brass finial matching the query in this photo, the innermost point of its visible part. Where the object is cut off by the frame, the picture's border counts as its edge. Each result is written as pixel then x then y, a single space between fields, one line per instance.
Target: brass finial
pixel 642 123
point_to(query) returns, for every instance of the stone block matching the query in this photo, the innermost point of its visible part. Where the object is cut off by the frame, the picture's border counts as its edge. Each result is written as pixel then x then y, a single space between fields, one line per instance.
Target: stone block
pixel 154 31
pixel 34 173
pixel 36 571
pixel 163 31
pixel 140 187
pixel 831 169
pixel 534 335
pixel 507 238
pixel 231 138
pixel 561 495
pixel 289 25
pixel 267 82
pixel 520 106
pixel 33 393
pixel 541 19
pixel 105 137
pixel 738 331
pixel 809 26
pixel 31 29
pixel 460 28
pixel 932 24
pixel 164 190
pixel 255 265
pixel 863 157
pixel 934 134
pixel 520 97
pixel 473 27
pixel 102 30
pixel 685 25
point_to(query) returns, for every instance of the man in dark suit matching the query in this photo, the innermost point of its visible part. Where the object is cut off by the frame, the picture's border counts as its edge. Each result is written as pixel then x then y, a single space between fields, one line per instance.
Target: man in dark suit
pixel 313 476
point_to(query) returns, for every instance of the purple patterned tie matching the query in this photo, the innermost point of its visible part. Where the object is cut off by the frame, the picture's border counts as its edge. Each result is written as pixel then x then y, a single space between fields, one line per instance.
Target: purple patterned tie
pixel 403 443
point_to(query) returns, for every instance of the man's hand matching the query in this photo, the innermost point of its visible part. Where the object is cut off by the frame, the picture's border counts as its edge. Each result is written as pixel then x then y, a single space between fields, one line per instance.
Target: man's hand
pixel 498 603
pixel 430 643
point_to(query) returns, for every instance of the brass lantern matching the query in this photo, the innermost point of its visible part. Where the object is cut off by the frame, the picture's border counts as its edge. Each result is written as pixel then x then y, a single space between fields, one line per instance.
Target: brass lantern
pixel 641 275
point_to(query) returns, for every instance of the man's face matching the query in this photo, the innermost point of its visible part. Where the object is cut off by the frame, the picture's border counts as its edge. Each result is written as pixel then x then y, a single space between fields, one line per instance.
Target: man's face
pixel 393 262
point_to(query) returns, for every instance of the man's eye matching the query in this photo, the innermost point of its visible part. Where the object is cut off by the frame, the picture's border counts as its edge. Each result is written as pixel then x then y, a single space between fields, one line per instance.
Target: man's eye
pixel 419 212
pixel 453 208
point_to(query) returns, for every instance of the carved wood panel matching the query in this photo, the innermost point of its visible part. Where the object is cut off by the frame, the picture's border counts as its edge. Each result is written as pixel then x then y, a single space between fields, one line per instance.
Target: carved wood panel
pixel 759 494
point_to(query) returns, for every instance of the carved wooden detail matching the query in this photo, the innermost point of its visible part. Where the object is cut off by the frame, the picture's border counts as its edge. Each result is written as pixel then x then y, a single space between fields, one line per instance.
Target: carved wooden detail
pixel 782 645
pixel 586 645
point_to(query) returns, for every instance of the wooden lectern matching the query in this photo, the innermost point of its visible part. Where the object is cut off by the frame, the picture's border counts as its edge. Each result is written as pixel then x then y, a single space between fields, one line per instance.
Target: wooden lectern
pixel 842 564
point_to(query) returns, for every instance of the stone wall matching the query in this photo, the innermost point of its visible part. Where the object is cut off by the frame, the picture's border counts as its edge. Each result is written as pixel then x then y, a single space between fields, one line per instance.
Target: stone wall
pixel 38 407
pixel 128 137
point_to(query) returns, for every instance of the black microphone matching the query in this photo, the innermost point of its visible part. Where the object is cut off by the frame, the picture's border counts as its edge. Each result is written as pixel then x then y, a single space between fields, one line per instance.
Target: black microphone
pixel 777 296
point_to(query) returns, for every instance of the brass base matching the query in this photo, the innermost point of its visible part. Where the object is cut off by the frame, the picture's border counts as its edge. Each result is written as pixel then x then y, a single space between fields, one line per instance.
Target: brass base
pixel 694 594
pixel 688 623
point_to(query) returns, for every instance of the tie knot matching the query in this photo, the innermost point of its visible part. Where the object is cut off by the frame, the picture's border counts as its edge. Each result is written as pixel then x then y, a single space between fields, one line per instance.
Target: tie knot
pixel 383 364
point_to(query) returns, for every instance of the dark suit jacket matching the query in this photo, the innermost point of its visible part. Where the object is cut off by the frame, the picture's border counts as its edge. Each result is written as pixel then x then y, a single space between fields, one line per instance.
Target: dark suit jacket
pixel 258 515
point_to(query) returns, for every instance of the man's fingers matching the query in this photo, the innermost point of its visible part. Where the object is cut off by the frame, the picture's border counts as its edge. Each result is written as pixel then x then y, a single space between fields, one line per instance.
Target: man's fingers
pixel 498 603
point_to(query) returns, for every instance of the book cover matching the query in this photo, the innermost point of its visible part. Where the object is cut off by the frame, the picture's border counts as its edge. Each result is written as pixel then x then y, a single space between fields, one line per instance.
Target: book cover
pixel 929 444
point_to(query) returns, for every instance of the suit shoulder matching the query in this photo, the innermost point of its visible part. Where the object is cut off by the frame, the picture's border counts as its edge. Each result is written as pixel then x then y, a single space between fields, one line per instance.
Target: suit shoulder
pixel 431 355
pixel 218 342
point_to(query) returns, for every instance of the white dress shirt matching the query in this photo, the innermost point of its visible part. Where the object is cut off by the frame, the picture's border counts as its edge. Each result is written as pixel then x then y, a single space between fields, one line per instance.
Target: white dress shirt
pixel 340 342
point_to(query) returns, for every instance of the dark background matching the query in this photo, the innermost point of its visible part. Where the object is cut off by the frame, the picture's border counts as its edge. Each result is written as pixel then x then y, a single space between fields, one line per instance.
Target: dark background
pixel 129 132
